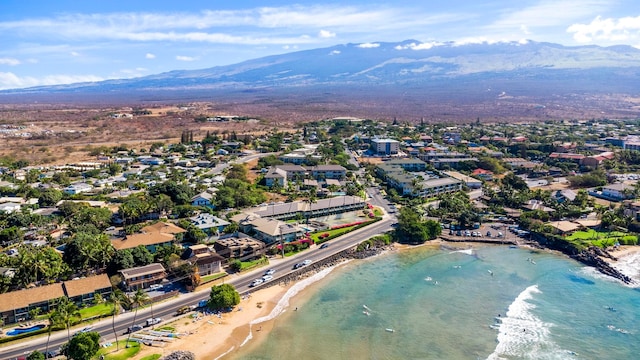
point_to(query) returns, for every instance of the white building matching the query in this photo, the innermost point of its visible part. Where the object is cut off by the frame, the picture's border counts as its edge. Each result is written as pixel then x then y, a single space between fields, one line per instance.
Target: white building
pixel 385 146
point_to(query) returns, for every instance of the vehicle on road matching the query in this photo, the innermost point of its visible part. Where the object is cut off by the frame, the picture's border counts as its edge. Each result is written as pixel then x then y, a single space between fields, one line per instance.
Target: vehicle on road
pixel 270 272
pixel 324 246
pixel 256 282
pixel 83 330
pixel 133 329
pixel 153 321
pixel 183 310
pixel 267 278
pixel 306 262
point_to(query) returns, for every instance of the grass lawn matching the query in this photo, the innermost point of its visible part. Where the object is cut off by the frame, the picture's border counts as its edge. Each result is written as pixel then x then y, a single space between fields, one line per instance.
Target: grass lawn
pixel 334 232
pixel 602 239
pixel 96 310
pixel 124 353
pixel 212 277
pixel 151 357
pixel 251 264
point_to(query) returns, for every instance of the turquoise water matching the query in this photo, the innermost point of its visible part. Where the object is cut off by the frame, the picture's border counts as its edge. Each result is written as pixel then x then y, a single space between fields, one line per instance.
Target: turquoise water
pixel 489 303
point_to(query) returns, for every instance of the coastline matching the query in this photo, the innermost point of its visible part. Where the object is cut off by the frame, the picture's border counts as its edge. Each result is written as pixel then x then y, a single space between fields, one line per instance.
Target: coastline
pixel 211 337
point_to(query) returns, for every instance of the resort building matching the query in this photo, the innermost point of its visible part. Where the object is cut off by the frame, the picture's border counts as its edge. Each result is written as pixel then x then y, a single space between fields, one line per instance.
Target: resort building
pixel 207 262
pixel 304 210
pixel 210 224
pixel 152 237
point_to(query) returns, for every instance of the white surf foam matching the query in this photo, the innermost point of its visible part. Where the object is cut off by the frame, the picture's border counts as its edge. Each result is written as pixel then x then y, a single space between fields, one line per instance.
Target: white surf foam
pixel 523 335
pixel 283 304
pixel 630 266
pixel 465 251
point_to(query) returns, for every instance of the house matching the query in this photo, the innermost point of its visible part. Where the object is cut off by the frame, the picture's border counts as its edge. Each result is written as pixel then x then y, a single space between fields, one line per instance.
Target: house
pixel 239 246
pixel 152 237
pixel 618 191
pixel 203 199
pixel 273 230
pixel 596 160
pixel 143 277
pixel 207 262
pixel 486 175
pixel 212 225
pixel 83 290
pixel 472 183
pixel 77 188
pixel 537 205
pixel 385 146
pixel 275 176
pixel 565 195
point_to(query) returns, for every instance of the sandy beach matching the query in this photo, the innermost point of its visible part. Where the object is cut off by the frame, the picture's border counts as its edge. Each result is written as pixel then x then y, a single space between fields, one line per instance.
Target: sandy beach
pixel 210 336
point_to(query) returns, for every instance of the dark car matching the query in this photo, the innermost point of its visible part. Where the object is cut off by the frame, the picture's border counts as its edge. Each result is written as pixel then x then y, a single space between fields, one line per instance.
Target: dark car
pixel 325 245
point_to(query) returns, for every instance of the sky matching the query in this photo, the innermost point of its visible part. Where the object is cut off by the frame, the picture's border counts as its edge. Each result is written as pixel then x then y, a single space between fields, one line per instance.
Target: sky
pixel 47 42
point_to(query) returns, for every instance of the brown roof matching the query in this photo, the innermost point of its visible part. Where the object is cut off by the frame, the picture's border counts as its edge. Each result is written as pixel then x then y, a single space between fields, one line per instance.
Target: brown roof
pixel 163 227
pixel 86 285
pixel 23 298
pixel 150 269
pixel 134 240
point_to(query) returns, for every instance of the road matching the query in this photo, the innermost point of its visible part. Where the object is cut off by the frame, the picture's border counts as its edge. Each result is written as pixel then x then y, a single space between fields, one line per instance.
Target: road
pixel 166 310
pixel 218 169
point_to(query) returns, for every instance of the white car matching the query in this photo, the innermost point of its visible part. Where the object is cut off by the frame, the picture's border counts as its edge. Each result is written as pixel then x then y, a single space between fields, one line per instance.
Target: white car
pixel 306 262
pixel 256 282
pixel 267 278
pixel 270 272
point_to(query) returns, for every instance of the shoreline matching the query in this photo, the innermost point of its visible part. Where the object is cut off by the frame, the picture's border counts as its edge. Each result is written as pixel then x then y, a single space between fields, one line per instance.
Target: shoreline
pixel 247 327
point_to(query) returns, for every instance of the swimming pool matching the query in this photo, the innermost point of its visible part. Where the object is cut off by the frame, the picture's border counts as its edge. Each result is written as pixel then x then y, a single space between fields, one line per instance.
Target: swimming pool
pixel 18 331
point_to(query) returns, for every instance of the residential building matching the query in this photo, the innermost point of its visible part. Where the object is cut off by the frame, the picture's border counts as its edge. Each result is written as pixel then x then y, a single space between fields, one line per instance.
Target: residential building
pixel 143 277
pixel 77 188
pixel 271 230
pixel 83 290
pixel 203 199
pixel 210 224
pixel 207 262
pixel 385 146
pixel 618 191
pixel 472 183
pixel 239 246
pixel 152 237
pixel 486 175
pixel 328 172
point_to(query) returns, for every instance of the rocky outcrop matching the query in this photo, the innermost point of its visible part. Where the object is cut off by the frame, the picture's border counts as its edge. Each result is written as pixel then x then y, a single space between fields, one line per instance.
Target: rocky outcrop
pixel 180 355
pixel 592 256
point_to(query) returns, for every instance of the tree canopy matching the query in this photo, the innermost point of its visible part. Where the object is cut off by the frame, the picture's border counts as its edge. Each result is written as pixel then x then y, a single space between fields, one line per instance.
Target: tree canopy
pixel 223 296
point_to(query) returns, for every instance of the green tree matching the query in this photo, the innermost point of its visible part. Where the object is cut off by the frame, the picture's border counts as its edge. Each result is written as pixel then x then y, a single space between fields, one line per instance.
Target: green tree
pixel 49 197
pixel 54 320
pixel 84 346
pixel 35 355
pixel 136 300
pixel 116 299
pixel 141 255
pixel 123 259
pixel 68 311
pixel 223 296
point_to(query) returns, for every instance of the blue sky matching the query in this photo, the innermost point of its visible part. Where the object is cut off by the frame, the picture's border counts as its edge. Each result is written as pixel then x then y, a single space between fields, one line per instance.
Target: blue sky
pixel 47 42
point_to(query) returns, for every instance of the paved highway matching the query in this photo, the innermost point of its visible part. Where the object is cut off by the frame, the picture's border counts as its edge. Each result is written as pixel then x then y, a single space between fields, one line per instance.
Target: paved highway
pixel 167 310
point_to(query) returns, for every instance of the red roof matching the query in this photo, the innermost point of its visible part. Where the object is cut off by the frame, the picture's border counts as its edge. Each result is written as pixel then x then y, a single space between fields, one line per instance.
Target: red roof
pixel 479 171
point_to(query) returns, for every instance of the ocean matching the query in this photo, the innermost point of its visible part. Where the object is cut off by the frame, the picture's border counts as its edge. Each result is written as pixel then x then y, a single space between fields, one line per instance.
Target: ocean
pixel 489 302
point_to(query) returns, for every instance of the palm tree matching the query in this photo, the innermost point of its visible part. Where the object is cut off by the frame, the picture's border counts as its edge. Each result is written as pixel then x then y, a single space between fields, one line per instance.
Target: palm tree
pixel 67 310
pixel 54 320
pixel 138 298
pixel 116 299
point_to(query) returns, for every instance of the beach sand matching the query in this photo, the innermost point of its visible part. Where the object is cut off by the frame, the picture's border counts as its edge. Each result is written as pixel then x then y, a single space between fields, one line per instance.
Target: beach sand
pixel 209 336
pixel 623 251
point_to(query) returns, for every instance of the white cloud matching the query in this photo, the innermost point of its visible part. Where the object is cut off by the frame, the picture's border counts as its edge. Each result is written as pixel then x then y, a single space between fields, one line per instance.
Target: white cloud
pixel 335 52
pixel 9 61
pixel 74 53
pixel 368 45
pixel 326 34
pixel 624 29
pixel 9 80
pixel 150 56
pixel 185 58
pixel 419 46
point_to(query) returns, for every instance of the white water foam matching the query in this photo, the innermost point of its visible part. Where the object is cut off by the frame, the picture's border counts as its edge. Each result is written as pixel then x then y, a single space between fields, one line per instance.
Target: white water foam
pixel 465 251
pixel 630 266
pixel 225 353
pixel 283 304
pixel 522 335
pixel 593 273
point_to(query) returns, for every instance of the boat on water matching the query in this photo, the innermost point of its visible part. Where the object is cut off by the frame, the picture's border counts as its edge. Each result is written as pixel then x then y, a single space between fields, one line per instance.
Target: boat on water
pixel 490 272
pixel 389 330
pixel 366 307
pixel 428 278
pixel 366 312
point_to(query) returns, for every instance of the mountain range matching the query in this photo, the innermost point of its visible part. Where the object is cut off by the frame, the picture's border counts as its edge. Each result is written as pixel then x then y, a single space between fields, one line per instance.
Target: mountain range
pixel 410 70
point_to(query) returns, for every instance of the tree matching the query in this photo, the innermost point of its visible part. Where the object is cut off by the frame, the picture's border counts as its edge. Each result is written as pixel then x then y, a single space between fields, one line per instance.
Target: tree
pixel 116 299
pixel 223 296
pixel 136 300
pixel 54 320
pixel 35 355
pixel 411 229
pixel 141 255
pixel 84 346
pixel 67 311
pixel 49 197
